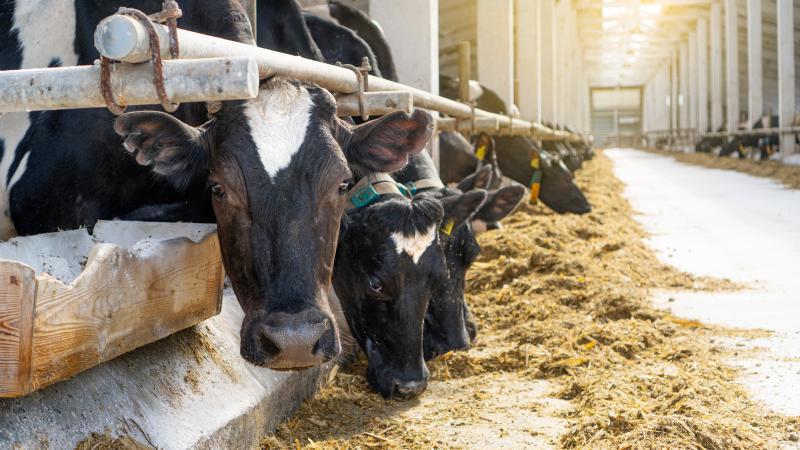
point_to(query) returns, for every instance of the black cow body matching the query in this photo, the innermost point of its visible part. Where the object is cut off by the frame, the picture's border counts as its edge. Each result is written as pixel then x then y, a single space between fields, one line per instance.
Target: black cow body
pixel 370 32
pixel 339 44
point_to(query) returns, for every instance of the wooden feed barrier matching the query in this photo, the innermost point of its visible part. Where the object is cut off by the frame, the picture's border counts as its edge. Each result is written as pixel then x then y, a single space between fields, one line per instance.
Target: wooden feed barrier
pixel 123 299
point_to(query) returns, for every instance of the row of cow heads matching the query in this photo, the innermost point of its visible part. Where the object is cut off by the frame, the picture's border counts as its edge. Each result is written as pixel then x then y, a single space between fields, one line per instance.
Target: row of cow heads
pixel 277 169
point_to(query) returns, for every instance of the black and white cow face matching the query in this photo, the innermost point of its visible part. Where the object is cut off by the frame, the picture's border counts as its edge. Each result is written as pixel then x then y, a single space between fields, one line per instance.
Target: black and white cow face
pixel 448 323
pixel 277 171
pixel 388 263
pixel 559 191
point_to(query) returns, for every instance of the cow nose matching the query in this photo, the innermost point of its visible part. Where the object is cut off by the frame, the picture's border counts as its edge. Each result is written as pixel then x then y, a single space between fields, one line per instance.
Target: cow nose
pixel 406 390
pixel 292 341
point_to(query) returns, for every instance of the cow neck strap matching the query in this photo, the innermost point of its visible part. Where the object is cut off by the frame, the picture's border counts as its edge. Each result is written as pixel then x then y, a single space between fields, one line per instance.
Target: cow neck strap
pixel 425 183
pixel 371 187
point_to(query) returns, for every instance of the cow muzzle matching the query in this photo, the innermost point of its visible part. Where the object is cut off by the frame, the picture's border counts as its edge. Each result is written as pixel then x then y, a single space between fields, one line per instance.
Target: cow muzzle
pixel 284 341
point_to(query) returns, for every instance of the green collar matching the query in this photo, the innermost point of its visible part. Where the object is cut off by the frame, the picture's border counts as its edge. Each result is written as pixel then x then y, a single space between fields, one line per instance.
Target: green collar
pixel 370 188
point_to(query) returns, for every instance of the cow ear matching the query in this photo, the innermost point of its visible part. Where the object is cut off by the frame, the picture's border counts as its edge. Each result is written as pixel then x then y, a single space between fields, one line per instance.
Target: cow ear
pixel 500 203
pixel 385 144
pixel 459 208
pixel 478 180
pixel 172 148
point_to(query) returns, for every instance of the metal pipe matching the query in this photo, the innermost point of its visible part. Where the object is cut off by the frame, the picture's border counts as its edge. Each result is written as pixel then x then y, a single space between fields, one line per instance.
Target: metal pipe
pixel 377 103
pixel 121 38
pixel 76 87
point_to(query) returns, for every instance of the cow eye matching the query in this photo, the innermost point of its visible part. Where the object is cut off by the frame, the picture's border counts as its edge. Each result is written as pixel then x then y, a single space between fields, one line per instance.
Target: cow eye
pixel 217 190
pixel 375 285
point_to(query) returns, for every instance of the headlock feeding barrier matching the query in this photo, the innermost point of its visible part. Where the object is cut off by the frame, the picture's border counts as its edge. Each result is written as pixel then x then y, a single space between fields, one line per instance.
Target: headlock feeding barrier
pixel 212 69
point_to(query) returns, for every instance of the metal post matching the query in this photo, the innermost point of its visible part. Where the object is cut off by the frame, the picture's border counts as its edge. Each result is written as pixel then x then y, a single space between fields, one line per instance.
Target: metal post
pixel 716 66
pixel 786 73
pixel 674 92
pixel 702 75
pixel 755 96
pixel 495 37
pixel 527 63
pixel 693 80
pixel 683 96
pixel 732 58
pixel 464 70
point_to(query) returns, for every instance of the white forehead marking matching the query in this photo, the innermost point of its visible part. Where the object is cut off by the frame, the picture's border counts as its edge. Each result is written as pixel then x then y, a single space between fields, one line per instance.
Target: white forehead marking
pixel 414 245
pixel 278 120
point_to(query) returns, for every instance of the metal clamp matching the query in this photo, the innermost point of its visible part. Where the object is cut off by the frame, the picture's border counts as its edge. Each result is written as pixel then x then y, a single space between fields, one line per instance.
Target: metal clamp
pixel 362 76
pixel 170 13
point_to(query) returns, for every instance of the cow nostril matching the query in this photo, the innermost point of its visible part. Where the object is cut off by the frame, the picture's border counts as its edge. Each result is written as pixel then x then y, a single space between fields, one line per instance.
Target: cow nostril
pixel 325 346
pixel 406 390
pixel 268 346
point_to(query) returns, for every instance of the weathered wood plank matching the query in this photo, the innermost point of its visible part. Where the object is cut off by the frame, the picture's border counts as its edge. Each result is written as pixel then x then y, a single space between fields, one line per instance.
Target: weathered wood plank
pixel 17 293
pixel 124 299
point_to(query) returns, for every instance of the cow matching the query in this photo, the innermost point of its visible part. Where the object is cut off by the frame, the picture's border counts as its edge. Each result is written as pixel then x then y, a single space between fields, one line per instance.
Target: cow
pixel 448 323
pixel 389 263
pixel 708 144
pixel 514 157
pixel 369 31
pixel 765 144
pixel 272 172
pixel 339 44
pixel 557 186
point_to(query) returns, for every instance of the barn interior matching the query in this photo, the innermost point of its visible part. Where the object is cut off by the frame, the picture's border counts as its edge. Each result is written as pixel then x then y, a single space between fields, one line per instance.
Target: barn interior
pixel 641 291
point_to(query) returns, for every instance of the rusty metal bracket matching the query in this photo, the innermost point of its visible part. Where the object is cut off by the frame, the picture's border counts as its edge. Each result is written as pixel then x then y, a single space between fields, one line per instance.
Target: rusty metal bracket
pixel 169 14
pixel 362 76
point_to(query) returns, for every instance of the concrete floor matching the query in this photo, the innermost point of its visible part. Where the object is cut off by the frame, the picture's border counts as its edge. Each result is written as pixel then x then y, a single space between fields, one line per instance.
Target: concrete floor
pixel 728 224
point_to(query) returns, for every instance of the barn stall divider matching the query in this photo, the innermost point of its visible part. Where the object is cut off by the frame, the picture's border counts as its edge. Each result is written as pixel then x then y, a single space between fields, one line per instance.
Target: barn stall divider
pixel 39 309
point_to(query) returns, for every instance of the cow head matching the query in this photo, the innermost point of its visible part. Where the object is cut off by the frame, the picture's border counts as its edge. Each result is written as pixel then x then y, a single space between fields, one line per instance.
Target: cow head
pixel 558 189
pixel 448 323
pixel 276 169
pixel 388 262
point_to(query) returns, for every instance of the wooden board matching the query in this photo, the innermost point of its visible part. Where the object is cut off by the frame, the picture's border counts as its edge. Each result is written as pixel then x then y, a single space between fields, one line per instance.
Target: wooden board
pixel 121 301
pixel 17 290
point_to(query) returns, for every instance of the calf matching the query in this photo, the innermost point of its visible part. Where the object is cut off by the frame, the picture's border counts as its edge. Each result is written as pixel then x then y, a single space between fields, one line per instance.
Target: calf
pixel 272 172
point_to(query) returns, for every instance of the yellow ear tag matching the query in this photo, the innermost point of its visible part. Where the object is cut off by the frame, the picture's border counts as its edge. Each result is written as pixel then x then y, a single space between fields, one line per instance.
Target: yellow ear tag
pixel 447 227
pixel 534 193
pixel 481 152
pixel 535 163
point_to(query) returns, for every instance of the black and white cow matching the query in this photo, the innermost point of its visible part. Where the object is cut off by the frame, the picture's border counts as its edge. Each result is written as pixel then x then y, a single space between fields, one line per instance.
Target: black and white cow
pixel 272 171
pixel 514 155
pixel 448 323
pixel 557 187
